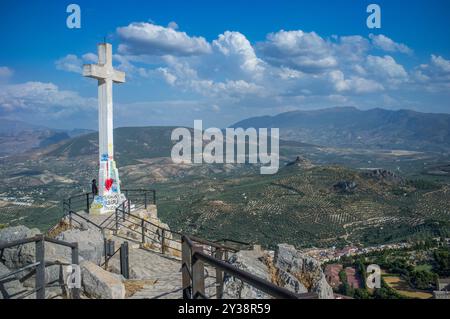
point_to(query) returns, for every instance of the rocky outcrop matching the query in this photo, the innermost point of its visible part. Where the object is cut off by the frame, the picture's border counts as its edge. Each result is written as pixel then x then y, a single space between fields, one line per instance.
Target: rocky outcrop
pixel 99 283
pixel 18 256
pixel 90 248
pixel 250 261
pixel 90 243
pixel 287 268
pixel 301 162
pixel 10 287
pixel 384 175
pixel 301 271
pixel 344 186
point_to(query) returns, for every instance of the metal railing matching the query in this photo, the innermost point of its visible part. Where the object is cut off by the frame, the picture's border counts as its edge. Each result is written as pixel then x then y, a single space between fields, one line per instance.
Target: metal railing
pixel 82 202
pixel 124 257
pixel 193 275
pixel 146 231
pixel 151 233
pixel 195 252
pixel 40 263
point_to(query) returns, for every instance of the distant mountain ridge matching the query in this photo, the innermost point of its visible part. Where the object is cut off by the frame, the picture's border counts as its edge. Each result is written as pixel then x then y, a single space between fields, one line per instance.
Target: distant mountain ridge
pixel 351 127
pixel 12 127
pixel 17 137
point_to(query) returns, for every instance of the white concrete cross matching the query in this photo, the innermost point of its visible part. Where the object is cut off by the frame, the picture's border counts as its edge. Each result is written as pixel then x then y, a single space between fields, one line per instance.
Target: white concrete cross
pixel 108 181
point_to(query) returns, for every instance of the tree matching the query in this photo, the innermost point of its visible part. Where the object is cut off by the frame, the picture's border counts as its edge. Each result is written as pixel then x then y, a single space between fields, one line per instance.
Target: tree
pixel 422 279
pixel 442 260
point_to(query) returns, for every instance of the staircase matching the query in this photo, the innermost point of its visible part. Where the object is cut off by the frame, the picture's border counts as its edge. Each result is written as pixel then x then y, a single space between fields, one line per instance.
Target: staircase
pixel 154 252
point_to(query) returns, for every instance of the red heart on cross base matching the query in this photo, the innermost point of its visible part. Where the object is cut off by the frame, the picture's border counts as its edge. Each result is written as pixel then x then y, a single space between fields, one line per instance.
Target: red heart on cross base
pixel 108 183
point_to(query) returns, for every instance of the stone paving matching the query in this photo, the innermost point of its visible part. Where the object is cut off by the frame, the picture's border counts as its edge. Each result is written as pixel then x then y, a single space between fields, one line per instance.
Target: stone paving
pixel 161 274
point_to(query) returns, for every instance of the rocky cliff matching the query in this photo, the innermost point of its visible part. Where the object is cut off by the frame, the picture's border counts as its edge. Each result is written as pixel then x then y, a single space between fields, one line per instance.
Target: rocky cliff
pixel 285 267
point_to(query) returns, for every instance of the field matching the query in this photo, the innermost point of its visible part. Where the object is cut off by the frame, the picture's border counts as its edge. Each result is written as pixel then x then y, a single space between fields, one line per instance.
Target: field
pixel 300 206
pixel 401 287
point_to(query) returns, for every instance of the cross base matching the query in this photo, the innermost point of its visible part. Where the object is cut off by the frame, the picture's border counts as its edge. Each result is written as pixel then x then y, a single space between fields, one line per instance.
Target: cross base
pixel 106 204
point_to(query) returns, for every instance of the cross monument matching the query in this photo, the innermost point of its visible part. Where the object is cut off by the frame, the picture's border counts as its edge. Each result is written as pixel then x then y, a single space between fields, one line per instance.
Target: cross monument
pixel 109 195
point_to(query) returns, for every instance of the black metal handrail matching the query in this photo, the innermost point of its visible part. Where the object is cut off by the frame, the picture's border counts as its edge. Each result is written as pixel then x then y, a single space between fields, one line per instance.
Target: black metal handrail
pixel 124 209
pixel 123 213
pixel 84 218
pixel 140 198
pixel 83 201
pixel 193 276
pixel 40 263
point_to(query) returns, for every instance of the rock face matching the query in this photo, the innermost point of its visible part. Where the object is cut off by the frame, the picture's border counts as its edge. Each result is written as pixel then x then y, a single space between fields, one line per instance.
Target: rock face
pixel 286 267
pixel 384 176
pixel 302 162
pixel 302 271
pixel 345 186
pixel 18 256
pixel 99 283
pixel 90 243
pixel 9 287
pixel 251 261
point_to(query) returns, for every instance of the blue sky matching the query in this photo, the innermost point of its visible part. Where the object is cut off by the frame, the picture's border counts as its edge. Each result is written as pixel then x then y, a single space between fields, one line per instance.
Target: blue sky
pixel 222 61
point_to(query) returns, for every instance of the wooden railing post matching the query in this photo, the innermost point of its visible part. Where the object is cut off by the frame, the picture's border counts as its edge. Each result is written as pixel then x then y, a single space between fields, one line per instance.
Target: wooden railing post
pixel 87 203
pixel 198 274
pixel 163 240
pixel 40 269
pixel 75 290
pixel 145 199
pixel 124 265
pixel 154 197
pixel 106 251
pixel 219 275
pixel 117 220
pixel 143 231
pixel 186 269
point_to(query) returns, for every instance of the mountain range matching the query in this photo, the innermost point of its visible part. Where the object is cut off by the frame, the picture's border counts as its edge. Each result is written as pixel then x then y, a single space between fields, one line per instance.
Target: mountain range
pixel 17 137
pixel 354 128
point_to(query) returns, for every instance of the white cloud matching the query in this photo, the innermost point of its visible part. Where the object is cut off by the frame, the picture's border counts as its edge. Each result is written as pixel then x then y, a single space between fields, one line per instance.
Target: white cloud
pixel 231 69
pixel 386 67
pixel 288 70
pixel 42 97
pixel 440 65
pixel 173 25
pixel 5 72
pixel 289 74
pixel 70 63
pixel 353 83
pixel 351 48
pixel 435 75
pixel 299 50
pixel 143 38
pixel 384 43
pixel 233 48
pixel 90 57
